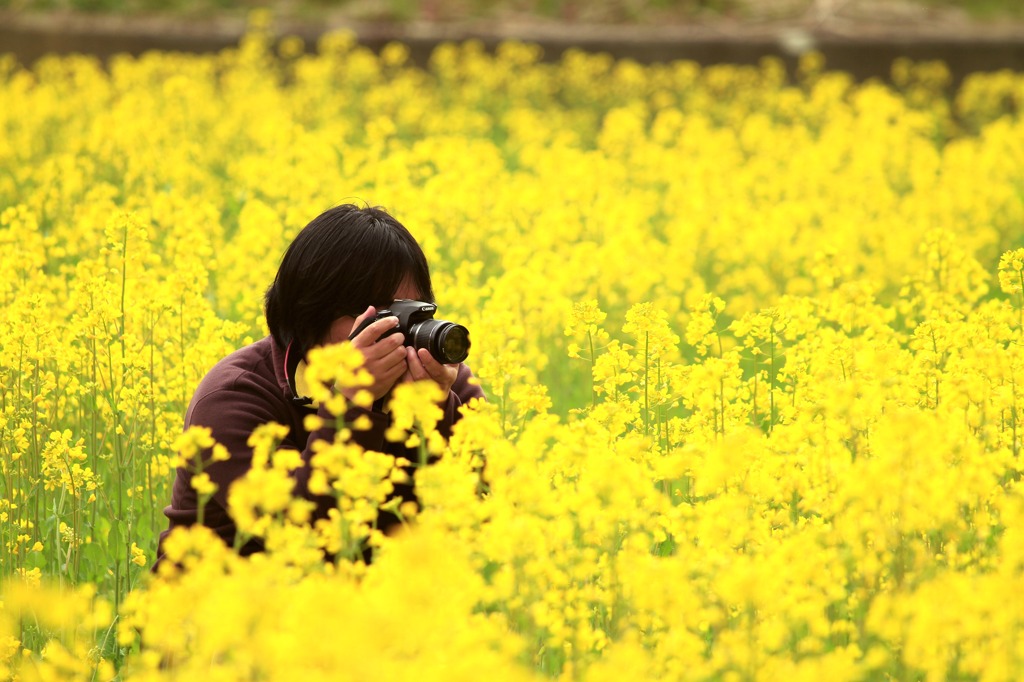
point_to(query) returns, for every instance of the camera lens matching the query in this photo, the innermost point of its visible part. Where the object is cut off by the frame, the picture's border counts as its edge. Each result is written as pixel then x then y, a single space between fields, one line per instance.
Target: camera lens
pixel 453 343
pixel 447 342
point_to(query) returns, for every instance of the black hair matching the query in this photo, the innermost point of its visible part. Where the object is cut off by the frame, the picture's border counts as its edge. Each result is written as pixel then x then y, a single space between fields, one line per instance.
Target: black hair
pixel 344 260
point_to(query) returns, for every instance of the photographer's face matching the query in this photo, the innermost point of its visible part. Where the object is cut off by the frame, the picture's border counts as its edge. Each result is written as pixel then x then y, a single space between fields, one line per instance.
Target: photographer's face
pixel 342 327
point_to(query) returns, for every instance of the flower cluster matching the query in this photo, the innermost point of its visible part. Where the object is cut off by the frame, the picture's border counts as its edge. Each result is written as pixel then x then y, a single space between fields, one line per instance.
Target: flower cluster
pixel 752 348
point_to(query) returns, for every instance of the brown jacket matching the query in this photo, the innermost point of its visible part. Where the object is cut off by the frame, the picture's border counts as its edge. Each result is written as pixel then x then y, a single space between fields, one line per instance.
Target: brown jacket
pixel 251 387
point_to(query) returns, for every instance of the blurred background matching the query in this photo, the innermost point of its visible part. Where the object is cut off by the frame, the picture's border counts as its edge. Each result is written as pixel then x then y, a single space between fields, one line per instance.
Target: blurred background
pixel 646 12
pixel 862 37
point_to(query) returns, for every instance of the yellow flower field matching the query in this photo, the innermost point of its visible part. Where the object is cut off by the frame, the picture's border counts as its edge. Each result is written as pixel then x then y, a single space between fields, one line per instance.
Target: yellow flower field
pixel 753 351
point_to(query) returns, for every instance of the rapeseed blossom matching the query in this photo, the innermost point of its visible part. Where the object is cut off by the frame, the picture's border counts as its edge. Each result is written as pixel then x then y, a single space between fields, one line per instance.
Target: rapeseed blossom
pixel 752 350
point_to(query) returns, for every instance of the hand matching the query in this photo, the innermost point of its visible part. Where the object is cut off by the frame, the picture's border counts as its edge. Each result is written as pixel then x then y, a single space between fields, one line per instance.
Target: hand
pixel 384 359
pixel 422 365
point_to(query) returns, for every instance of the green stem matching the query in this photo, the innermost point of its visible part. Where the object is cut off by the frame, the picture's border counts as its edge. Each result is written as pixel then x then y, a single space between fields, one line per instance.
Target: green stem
pixel 593 391
pixel 504 403
pixel 152 428
pixel 1020 310
pixel 202 499
pixel 1013 411
pixel 647 375
pixel 754 415
pixel 771 380
pixel 721 402
pixel 422 446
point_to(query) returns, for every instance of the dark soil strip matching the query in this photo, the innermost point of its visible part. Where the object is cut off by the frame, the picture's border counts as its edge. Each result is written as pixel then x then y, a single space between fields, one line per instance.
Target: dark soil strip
pixel 866 56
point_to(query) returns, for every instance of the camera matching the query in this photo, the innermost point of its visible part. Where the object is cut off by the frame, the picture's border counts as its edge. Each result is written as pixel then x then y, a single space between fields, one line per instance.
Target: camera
pixel 446 341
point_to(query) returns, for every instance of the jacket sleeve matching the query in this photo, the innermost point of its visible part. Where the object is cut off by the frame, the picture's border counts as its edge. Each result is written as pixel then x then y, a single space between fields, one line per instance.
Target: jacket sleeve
pixel 370 439
pixel 465 388
pixel 232 415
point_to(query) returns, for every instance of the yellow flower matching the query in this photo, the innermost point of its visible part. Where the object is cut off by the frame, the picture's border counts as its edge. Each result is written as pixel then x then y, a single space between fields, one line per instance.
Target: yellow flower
pixel 138 556
pixel 1011 271
pixel 821 483
pixel 202 484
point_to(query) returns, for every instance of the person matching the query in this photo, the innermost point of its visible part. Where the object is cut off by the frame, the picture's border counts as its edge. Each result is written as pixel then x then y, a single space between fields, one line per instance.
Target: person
pixel 344 266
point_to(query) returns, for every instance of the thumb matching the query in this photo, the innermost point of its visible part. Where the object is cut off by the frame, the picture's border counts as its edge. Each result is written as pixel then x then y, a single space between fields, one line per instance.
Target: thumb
pixel 369 314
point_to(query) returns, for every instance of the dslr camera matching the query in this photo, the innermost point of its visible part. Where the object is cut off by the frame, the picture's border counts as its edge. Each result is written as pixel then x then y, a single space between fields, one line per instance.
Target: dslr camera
pixel 446 341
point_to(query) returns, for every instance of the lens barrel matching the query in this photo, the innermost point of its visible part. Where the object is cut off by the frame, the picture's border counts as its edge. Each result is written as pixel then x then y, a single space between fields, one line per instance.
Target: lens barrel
pixel 447 342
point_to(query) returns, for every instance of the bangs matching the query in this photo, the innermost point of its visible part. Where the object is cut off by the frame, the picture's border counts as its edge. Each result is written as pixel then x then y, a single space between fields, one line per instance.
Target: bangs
pixel 344 260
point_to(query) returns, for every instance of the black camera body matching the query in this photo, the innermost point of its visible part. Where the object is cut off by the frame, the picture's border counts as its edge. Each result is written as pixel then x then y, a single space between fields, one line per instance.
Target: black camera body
pixel 447 342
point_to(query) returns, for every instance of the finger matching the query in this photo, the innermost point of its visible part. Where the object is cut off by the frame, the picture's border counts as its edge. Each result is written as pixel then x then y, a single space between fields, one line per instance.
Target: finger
pixel 435 369
pixel 374 331
pixel 392 375
pixel 395 358
pixel 416 369
pixel 386 373
pixel 385 348
pixel 388 369
pixel 371 334
pixel 367 314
